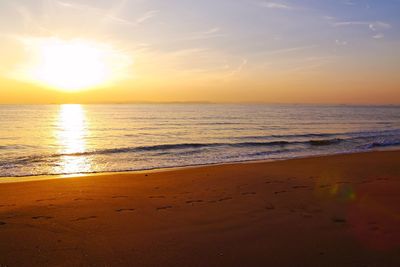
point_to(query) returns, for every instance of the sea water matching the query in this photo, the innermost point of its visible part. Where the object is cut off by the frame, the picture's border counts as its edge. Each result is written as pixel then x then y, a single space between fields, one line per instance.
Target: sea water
pixel 72 139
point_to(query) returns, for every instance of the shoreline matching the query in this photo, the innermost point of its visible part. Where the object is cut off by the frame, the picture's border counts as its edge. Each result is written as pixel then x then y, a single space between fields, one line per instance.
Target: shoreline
pixel 31 178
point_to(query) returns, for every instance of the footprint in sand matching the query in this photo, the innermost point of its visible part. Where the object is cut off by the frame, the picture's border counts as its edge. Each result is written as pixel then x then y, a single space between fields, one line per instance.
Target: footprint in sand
pixel 47 199
pixel 224 199
pixel 382 179
pixel 85 218
pixel 317 210
pixel 124 210
pixel 306 215
pixel 339 220
pixel 194 201
pixel 270 207
pixel 248 193
pixel 42 217
pixel 300 186
pixel 185 193
pixel 156 196
pixel 164 208
pixel 7 205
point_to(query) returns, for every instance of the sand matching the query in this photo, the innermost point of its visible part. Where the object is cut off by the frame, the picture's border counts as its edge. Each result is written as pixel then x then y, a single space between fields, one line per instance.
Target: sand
pixel 327 211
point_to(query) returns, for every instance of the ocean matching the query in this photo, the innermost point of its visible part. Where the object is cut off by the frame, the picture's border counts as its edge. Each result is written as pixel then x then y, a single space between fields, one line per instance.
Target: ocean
pixel 72 139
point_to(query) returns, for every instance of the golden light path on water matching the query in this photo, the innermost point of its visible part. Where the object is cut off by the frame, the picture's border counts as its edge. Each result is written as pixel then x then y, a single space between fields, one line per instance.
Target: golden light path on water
pixel 71 133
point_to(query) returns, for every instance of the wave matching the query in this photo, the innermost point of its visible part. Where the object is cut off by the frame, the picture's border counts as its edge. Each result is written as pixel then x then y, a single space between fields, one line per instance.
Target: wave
pixel 383 144
pixel 16 146
pixel 328 135
pixel 170 147
pixel 173 149
pixel 329 142
pixel 311 135
pixel 325 142
pixel 182 146
pixel 372 133
pixel 251 151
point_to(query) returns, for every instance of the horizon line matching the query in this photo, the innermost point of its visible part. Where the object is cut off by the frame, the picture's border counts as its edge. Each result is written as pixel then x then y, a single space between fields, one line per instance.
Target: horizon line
pixel 205 103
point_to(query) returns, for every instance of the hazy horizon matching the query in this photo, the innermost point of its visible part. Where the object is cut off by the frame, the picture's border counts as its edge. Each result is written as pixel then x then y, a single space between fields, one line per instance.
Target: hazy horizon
pixel 208 103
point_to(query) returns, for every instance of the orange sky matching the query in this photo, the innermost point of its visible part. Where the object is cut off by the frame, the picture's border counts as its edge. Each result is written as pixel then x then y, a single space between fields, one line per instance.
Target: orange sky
pixel 140 51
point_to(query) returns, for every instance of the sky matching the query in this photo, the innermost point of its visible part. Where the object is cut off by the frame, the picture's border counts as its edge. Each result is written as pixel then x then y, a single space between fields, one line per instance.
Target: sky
pixel 292 51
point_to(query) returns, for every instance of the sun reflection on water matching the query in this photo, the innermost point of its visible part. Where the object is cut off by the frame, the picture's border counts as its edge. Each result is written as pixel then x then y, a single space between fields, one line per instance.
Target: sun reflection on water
pixel 71 133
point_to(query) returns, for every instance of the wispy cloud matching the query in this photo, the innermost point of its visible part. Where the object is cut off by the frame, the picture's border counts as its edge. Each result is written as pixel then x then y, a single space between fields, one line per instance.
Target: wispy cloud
pixel 374 26
pixel 146 16
pixel 111 15
pixel 349 3
pixel 378 36
pixel 275 5
pixel 341 43
pixel 311 64
pixel 289 50
pixel 238 69
pixel 350 23
pixel 210 33
pixel 29 21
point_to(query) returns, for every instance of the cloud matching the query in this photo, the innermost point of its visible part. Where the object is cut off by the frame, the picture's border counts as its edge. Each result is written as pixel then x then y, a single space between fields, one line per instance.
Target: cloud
pixel 378 36
pixel 146 16
pixel 212 30
pixel 379 26
pixel 275 5
pixel 341 43
pixel 210 33
pixel 373 26
pixel 29 21
pixel 290 50
pixel 376 26
pixel 311 64
pixel 349 3
pixel 111 15
pixel 238 69
pixel 350 23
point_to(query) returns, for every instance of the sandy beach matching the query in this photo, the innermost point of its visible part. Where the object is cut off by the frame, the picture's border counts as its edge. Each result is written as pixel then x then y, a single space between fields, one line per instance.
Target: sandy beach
pixel 339 210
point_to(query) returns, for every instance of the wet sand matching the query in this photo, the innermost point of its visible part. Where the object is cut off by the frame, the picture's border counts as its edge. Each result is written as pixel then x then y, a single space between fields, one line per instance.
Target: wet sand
pixel 328 211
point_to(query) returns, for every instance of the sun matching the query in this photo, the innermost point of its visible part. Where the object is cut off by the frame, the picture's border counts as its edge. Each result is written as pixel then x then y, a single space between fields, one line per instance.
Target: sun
pixel 73 65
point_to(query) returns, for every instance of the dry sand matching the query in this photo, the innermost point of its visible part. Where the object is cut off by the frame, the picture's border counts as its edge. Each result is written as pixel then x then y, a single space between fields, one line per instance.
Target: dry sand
pixel 328 211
